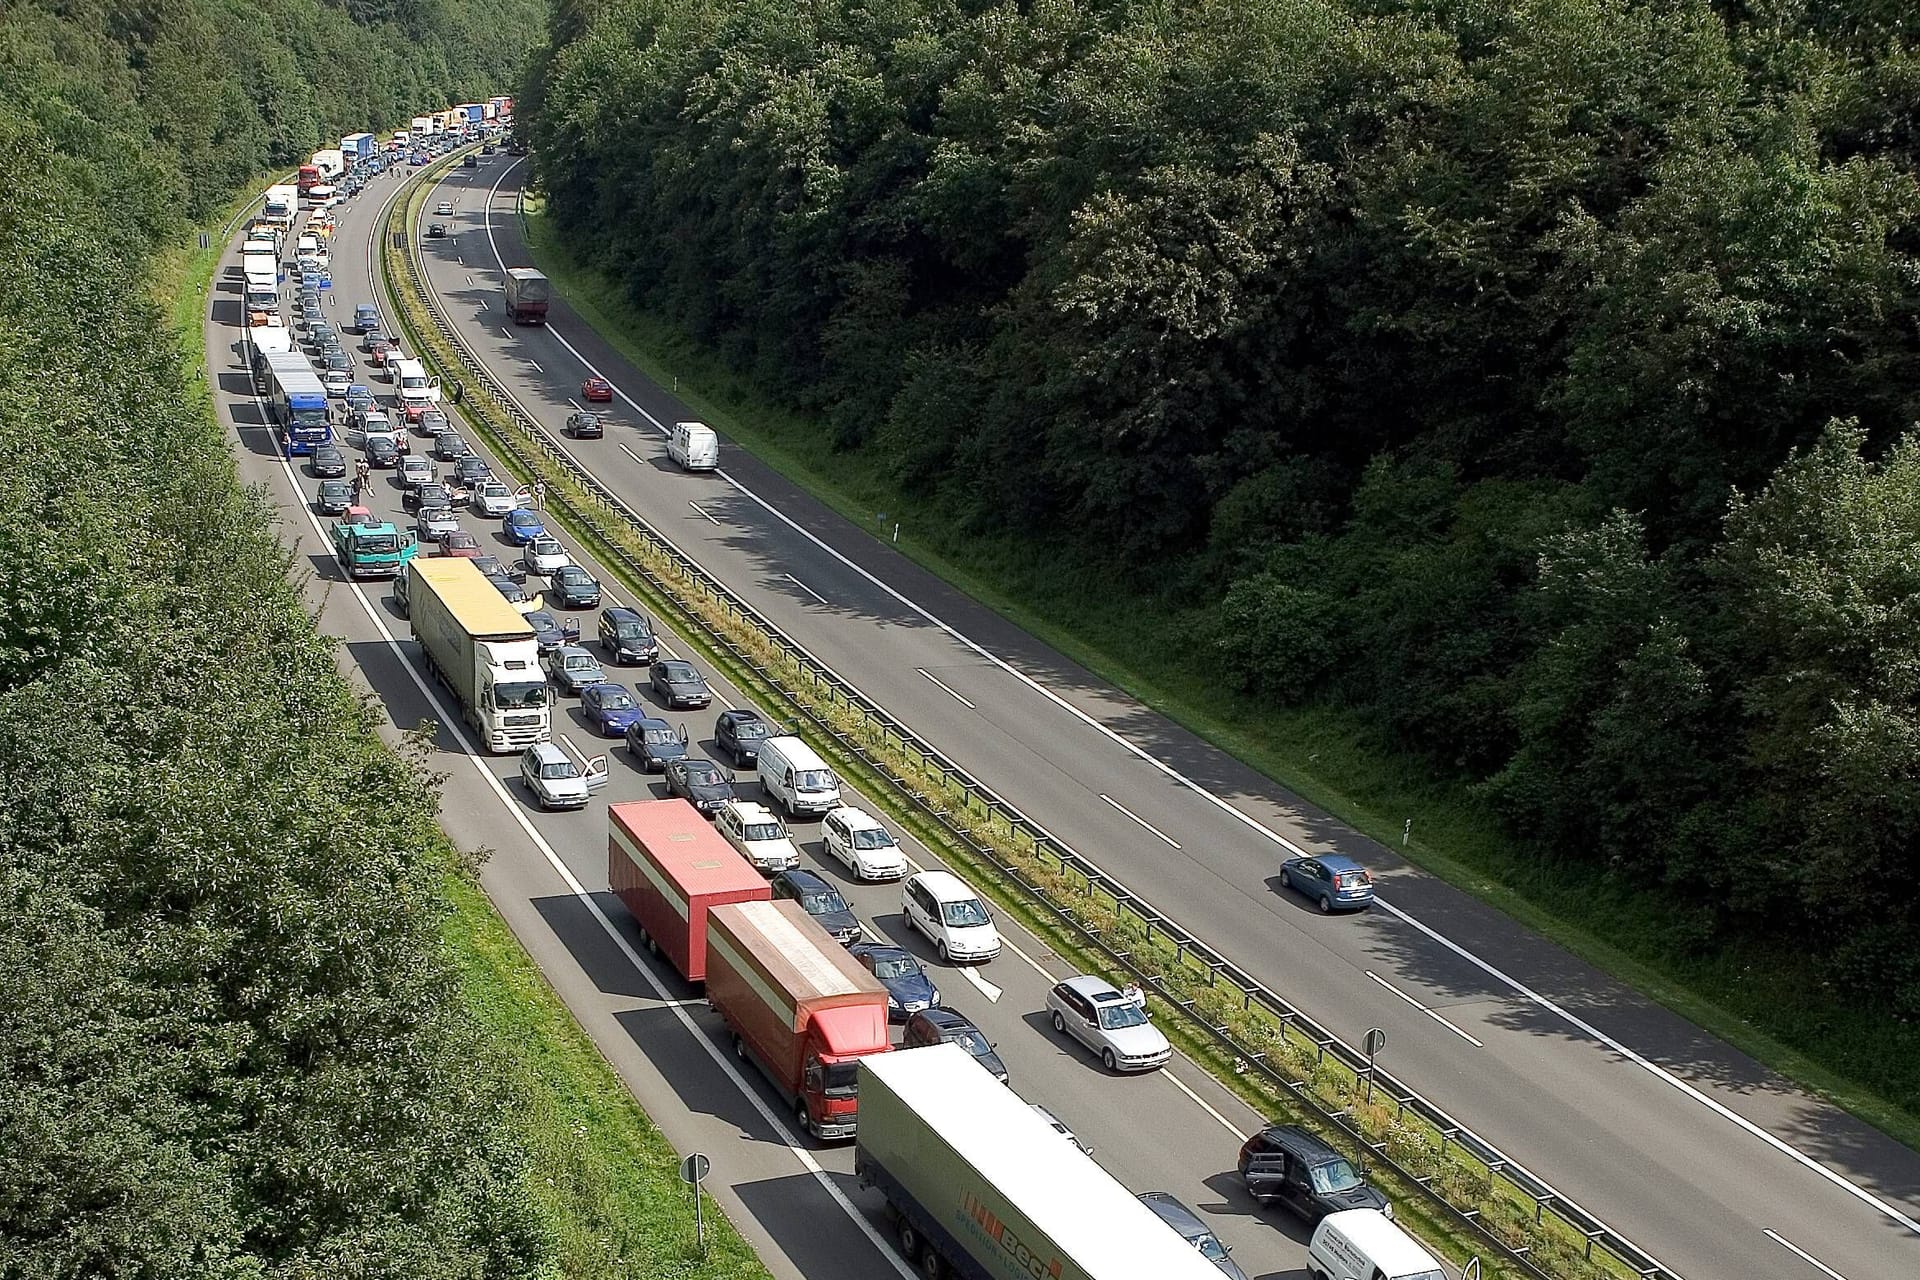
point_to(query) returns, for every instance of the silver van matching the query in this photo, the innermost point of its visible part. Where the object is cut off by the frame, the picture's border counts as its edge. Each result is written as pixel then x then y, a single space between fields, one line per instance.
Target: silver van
pixel 795 777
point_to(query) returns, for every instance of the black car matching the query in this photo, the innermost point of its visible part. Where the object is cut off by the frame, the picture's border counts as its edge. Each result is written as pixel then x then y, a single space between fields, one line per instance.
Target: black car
pixel 585 425
pixel 327 462
pixel 940 1025
pixel 382 452
pixel 572 587
pixel 677 684
pixel 491 567
pixel 421 496
pixel 740 733
pixel 469 163
pixel 821 901
pixel 627 638
pixel 487 150
pixel 515 594
pixel 335 497
pixel 469 468
pixel 701 783
pixel 436 231
pixel 449 447
pixel 337 360
pixel 546 631
pixel 1285 1163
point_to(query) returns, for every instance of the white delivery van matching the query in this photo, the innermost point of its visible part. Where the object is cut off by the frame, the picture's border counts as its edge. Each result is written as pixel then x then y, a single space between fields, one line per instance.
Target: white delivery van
pixel 1364 1244
pixel 694 446
pixel 799 780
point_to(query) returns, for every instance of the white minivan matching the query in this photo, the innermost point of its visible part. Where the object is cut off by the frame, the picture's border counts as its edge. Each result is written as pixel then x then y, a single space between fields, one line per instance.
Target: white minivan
pixel 792 774
pixel 694 446
pixel 1364 1244
pixel 949 915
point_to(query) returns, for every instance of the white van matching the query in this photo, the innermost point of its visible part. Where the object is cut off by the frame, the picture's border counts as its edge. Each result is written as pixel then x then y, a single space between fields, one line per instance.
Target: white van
pixel 1364 1244
pixel 694 446
pixel 795 777
pixel 950 915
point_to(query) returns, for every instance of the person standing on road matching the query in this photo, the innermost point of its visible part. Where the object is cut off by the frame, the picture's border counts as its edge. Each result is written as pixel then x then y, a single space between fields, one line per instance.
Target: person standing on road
pixel 539 494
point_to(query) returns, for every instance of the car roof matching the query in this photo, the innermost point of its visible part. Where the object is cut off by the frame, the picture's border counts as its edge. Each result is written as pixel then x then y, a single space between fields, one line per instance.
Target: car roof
pixel 801 878
pixel 752 810
pixel 1093 987
pixel 855 817
pixel 880 950
pixel 1337 862
pixel 620 613
pixel 945 885
pixel 652 722
pixel 545 751
pixel 1174 1213
pixel 740 714
pixel 1306 1145
pixel 947 1019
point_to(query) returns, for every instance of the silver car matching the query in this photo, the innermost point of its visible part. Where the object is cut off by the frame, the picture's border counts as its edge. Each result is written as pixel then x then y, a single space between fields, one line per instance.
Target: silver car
pixel 573 668
pixel 553 779
pixel 434 522
pixel 1109 1022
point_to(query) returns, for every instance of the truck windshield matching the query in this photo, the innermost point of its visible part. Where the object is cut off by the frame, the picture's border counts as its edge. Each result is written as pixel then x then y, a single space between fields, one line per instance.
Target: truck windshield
pixel 314 418
pixel 376 543
pixel 842 1079
pixel 516 695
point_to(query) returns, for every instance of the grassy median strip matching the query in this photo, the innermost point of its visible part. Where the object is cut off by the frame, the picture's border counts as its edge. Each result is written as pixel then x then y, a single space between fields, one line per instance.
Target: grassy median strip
pixel 1077 917
pixel 602 1178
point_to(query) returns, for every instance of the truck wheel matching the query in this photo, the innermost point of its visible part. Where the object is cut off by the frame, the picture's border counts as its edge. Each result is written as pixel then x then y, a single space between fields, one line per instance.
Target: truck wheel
pixel 804 1117
pixel 739 1047
pixel 932 1266
pixel 909 1241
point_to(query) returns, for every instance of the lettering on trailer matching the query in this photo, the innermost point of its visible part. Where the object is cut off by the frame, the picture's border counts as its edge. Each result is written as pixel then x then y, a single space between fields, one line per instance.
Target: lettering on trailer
pixel 986 1223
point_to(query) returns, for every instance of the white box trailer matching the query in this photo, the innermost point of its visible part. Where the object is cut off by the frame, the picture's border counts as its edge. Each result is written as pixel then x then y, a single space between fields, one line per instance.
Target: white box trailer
pixel 994 1191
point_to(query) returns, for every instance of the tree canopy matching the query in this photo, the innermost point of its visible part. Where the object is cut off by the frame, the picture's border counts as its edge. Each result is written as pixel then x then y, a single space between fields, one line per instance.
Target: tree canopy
pixel 1532 379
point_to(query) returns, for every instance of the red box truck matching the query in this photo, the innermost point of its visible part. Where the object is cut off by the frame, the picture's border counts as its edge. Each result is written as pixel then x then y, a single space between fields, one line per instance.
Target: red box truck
pixel 668 865
pixel 798 1005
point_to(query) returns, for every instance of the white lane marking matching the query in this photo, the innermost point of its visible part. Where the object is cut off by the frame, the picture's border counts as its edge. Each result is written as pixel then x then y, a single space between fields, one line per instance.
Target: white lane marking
pixel 1205 1106
pixel 631 454
pixel 1424 1009
pixel 452 725
pixel 804 587
pixel 1777 1238
pixel 1519 988
pixel 575 406
pixel 537 368
pixel 944 685
pixel 1137 818
pixel 696 506
pixel 572 750
pixel 987 989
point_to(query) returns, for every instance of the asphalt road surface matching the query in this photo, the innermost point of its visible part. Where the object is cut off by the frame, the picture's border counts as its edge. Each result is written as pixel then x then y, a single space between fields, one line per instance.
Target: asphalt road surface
pixel 1713 1164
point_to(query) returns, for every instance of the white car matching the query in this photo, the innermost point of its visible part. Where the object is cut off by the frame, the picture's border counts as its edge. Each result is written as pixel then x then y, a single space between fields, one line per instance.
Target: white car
pixel 757 834
pixel 544 555
pixel 444 208
pixel 416 470
pixel 1109 1022
pixel 556 781
pixel 950 916
pixel 336 382
pixel 867 849
pixel 491 498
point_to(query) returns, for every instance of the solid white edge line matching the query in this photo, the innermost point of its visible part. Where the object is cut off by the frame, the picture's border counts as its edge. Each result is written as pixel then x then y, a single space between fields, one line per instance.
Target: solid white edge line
pixel 949 688
pixel 1205 1106
pixel 1519 988
pixel 1137 818
pixel 1779 1239
pixel 454 726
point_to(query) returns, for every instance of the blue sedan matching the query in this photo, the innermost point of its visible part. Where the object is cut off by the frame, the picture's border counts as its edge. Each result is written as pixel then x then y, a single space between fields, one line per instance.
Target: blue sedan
pixel 522 526
pixel 909 989
pixel 610 708
pixel 1329 880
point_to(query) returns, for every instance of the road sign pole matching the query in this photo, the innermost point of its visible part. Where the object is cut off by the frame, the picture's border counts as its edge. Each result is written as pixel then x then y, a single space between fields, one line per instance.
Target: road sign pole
pixel 693 1170
pixel 1376 1041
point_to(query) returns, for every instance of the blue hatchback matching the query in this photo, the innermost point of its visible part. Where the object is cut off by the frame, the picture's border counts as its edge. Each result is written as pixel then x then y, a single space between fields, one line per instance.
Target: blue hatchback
pixel 1329 881
pixel 610 708
pixel 909 989
pixel 522 526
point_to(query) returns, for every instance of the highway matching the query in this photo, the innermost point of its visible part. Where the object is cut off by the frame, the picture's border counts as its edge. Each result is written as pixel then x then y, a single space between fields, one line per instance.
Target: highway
pixel 797 1203
pixel 1713 1164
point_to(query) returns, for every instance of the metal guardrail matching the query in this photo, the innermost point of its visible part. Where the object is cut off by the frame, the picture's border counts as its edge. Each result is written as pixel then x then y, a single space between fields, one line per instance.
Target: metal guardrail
pixel 537 451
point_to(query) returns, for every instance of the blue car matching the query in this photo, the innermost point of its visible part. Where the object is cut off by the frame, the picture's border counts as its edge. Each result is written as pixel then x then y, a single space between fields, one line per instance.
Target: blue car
pixel 610 708
pixel 522 526
pixel 1329 880
pixel 653 742
pixel 909 989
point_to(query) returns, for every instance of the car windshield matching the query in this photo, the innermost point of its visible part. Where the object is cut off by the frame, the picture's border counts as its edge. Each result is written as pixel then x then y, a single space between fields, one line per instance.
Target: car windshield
pixel 559 769
pixel 1210 1248
pixel 628 630
pixel 580 662
pixel 701 774
pixel 764 831
pixel 615 700
pixel 1350 879
pixel 1120 1015
pixel 660 737
pixel 873 838
pixel 510 697
pixel 749 729
pixel 1334 1176
pixel 677 671
pixel 817 779
pixel 973 1042
pixel 963 915
pixel 896 967
pixel 822 902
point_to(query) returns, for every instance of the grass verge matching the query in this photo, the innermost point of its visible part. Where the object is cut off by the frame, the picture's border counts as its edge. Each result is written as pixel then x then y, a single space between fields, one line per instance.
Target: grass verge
pixel 1762 1001
pixel 601 1177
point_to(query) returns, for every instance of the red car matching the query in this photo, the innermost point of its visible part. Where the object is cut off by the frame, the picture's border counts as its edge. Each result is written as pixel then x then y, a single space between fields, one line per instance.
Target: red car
pixel 460 544
pixel 596 391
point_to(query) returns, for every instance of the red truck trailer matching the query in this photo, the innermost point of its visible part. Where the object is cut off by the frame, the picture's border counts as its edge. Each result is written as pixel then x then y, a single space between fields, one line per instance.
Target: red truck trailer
pixel 668 866
pixel 798 1005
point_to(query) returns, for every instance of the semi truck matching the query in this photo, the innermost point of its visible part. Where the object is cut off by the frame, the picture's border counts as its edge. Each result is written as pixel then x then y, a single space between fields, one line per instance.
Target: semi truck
pixel 983 1188
pixel 481 648
pixel 331 163
pixel 259 342
pixel 368 547
pixel 669 867
pixel 528 293
pixel 422 126
pixel 798 1006
pixel 299 403
pixel 356 149
pixel 471 112
pixel 307 179
pixel 283 202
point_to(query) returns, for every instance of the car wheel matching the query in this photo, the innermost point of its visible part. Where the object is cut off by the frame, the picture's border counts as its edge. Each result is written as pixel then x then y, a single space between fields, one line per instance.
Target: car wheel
pixel 1108 1061
pixel 1059 1023
pixel 1326 905
pixel 940 949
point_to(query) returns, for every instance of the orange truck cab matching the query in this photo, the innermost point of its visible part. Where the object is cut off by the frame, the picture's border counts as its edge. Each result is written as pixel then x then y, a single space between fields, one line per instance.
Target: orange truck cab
pixel 799 1007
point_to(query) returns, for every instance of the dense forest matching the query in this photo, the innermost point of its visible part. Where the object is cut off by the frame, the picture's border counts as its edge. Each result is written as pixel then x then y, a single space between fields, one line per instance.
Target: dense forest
pixel 1532 380
pixel 230 1043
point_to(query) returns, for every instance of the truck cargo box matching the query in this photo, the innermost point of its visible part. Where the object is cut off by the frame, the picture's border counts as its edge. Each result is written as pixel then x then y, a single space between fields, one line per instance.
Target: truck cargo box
pixel 669 866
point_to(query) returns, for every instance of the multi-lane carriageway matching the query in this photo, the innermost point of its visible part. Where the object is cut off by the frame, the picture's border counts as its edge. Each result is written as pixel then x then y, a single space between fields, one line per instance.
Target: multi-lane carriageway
pixel 1714 1165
